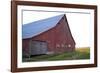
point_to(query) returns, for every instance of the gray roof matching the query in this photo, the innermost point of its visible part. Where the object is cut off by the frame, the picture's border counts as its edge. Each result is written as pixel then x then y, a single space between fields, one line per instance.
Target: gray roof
pixel 35 28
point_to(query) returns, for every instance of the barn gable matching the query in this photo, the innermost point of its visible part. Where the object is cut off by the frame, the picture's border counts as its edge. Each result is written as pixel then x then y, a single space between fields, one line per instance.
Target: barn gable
pixel 39 26
pixel 68 29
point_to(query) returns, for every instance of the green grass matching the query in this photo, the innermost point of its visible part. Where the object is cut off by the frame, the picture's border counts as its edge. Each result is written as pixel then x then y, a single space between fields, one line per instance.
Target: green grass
pixel 79 53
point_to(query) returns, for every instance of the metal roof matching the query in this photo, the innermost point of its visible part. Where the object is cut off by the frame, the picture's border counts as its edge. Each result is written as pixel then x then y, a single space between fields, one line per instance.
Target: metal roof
pixel 35 28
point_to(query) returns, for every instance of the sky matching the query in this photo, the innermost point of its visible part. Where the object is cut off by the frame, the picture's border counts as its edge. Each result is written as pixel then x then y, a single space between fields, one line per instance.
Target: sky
pixel 79 22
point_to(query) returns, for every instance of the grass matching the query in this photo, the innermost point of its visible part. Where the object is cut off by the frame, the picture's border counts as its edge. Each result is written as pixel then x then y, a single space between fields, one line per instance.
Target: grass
pixel 79 53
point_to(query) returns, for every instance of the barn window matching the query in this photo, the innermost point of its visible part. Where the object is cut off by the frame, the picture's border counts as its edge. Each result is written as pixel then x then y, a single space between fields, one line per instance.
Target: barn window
pixel 57 45
pixel 69 45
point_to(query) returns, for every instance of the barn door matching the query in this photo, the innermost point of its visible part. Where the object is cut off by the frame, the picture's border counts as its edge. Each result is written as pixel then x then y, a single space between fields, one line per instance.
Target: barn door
pixel 38 47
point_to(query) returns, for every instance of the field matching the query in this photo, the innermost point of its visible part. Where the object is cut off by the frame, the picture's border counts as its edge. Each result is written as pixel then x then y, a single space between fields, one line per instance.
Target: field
pixel 79 53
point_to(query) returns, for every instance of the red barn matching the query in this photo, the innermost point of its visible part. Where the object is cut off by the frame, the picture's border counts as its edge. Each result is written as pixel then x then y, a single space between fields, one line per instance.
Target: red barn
pixel 47 36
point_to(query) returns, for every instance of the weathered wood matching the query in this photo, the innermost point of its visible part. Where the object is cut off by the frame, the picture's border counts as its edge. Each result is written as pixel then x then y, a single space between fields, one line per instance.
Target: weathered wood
pixel 38 47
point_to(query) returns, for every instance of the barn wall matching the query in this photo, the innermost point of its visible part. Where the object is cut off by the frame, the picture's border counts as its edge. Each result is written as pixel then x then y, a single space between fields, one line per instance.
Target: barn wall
pixel 25 47
pixel 64 36
pixel 58 38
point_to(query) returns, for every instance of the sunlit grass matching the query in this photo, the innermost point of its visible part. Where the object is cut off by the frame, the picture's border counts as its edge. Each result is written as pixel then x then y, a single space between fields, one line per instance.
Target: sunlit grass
pixel 84 49
pixel 79 53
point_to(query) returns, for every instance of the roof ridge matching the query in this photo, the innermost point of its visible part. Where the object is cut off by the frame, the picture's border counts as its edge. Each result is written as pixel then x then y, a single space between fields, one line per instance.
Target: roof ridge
pixel 45 19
